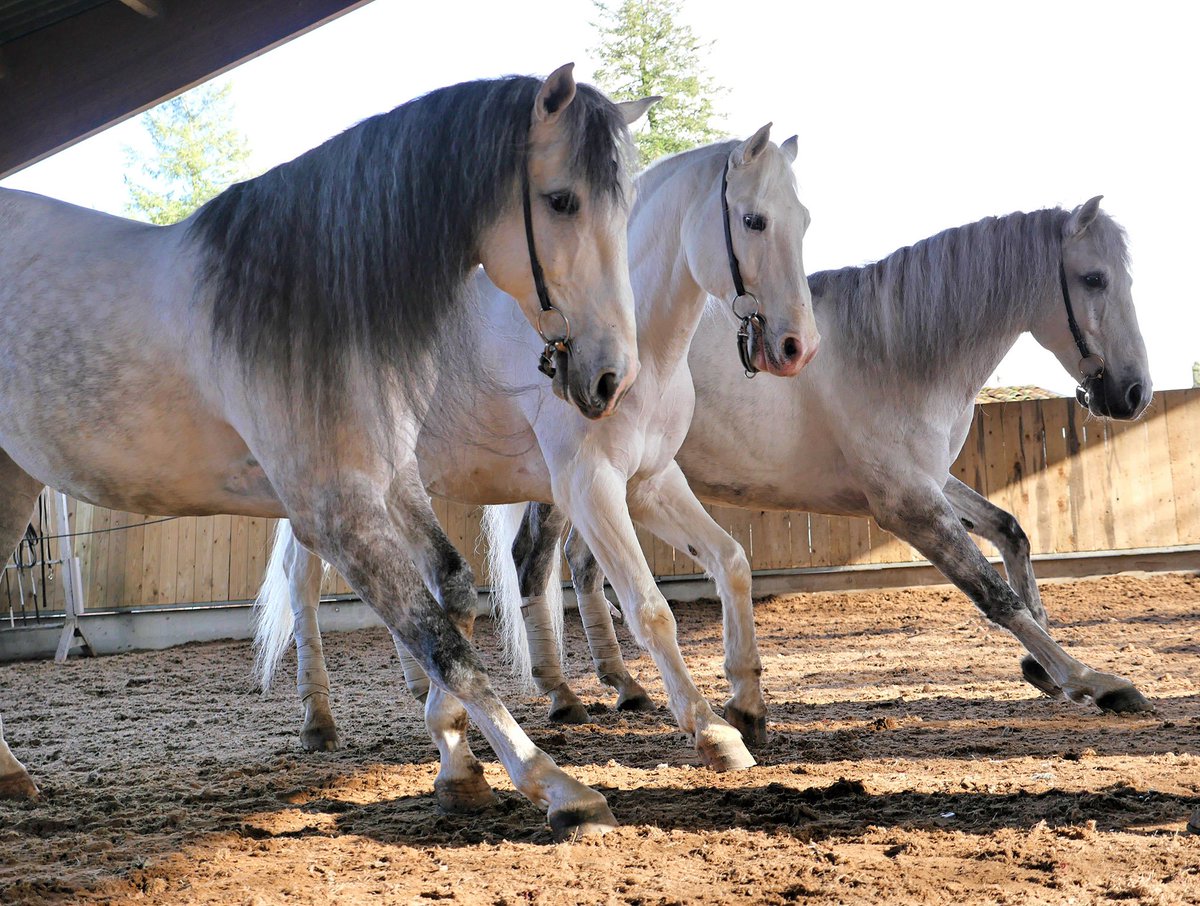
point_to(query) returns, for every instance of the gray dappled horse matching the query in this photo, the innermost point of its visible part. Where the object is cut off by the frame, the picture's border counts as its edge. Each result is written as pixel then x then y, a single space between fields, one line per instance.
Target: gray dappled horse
pixel 275 354
pixel 872 427
pixel 724 220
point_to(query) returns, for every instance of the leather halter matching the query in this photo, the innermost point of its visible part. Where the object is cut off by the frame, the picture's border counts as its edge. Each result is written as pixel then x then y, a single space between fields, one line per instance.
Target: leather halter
pixel 754 320
pixel 558 345
pixel 1091 366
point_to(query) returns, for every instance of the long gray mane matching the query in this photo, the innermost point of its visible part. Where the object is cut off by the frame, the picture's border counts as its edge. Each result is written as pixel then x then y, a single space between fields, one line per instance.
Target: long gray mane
pixel 358 252
pixel 959 295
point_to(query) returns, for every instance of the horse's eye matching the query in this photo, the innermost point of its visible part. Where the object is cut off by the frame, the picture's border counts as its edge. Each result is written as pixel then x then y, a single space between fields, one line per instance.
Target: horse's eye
pixel 563 202
pixel 1094 280
pixel 756 222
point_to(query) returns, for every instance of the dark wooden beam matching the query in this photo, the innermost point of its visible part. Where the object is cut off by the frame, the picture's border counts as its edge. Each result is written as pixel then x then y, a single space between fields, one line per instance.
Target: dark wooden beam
pixel 69 81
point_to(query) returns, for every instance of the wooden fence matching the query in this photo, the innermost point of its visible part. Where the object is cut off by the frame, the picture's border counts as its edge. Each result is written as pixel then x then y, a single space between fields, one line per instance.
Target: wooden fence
pixel 1076 484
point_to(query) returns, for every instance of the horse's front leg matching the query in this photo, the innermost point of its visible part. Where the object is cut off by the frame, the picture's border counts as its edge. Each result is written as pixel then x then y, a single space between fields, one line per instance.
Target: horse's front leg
pixel 356 526
pixel 668 508
pixel 924 518
pixel 18 494
pixel 990 522
pixel 594 497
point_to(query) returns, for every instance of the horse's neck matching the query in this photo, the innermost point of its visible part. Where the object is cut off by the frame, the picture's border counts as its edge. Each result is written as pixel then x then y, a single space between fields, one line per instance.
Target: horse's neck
pixel 669 300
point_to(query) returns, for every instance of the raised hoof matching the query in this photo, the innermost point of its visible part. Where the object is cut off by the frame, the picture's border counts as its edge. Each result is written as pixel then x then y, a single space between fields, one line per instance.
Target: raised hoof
pixel 722 749
pixel 466 795
pixel 569 713
pixel 19 786
pixel 1035 674
pixel 1125 701
pixel 581 820
pixel 320 739
pixel 753 727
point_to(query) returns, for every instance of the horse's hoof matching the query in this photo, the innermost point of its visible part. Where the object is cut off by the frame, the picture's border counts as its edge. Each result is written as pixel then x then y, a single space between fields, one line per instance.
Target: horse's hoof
pixel 19 785
pixel 1125 701
pixel 321 738
pixel 753 727
pixel 721 749
pixel 1193 824
pixel 635 700
pixel 464 795
pixel 582 820
pixel 1035 674
pixel 569 713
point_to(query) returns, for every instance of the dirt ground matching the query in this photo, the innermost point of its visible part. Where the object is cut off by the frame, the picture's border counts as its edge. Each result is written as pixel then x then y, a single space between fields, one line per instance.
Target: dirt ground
pixel 908 763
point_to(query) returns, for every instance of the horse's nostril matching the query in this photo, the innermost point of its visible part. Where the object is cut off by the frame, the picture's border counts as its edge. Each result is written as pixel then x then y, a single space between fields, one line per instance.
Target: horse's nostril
pixel 606 387
pixel 1133 396
pixel 791 349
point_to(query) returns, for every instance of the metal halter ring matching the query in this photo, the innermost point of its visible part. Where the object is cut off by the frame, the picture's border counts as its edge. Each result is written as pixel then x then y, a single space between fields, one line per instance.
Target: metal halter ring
pixel 1091 367
pixel 748 315
pixel 559 341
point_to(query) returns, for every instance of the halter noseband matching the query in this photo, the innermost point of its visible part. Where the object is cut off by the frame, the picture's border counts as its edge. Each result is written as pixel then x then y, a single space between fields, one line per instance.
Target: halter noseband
pixel 1091 366
pixel 558 345
pixel 754 320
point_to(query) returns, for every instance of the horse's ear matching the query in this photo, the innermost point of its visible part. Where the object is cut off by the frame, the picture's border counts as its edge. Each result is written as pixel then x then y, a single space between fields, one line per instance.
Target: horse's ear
pixel 1081 218
pixel 747 151
pixel 555 95
pixel 791 147
pixel 632 111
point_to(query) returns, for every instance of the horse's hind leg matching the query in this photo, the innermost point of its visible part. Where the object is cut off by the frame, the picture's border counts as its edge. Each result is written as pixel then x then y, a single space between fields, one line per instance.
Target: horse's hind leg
pixel 319 731
pixel 18 494
pixel 990 522
pixel 361 526
pixel 596 614
pixel 924 518
pixel 534 550
pixel 667 507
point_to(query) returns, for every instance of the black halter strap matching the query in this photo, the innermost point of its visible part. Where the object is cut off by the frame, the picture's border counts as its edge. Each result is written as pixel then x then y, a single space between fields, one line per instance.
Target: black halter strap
pixel 556 345
pixel 1091 366
pixel 754 320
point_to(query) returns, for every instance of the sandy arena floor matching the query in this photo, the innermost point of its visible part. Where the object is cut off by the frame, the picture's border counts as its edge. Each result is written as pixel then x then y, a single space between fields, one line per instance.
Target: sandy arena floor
pixel 908 763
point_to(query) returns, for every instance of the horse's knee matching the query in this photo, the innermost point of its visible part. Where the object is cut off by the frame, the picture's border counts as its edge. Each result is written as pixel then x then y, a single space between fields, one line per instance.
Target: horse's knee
pixel 736 568
pixel 1010 530
pixel 651 619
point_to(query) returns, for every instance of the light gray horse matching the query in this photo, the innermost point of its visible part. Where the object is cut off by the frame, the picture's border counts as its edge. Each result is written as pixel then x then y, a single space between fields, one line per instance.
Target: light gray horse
pixel 274 355
pixel 873 425
pixel 705 221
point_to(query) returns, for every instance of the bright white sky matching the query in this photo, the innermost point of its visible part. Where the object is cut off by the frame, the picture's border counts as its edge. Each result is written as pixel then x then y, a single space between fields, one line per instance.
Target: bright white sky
pixel 912 117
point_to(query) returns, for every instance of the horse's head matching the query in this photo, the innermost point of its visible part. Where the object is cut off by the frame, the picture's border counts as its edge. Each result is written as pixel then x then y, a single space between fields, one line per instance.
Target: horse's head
pixel 760 245
pixel 568 220
pixel 1109 356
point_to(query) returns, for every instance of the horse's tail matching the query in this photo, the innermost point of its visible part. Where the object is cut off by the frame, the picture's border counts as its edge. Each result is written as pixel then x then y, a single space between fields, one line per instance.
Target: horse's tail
pixel 500 526
pixel 274 623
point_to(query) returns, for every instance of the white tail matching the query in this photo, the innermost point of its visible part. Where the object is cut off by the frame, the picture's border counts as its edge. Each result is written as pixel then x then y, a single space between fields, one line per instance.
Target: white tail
pixel 500 527
pixel 274 622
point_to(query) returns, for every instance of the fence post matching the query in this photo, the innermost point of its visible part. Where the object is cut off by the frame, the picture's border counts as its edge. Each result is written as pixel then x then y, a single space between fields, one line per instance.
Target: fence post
pixel 72 578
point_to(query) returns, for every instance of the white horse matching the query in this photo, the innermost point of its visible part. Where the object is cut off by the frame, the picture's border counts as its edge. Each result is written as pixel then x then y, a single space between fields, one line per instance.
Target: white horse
pixel 603 473
pixel 274 355
pixel 872 427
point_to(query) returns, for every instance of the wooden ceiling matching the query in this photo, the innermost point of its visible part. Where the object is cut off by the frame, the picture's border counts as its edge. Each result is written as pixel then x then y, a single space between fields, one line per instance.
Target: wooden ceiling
pixel 70 68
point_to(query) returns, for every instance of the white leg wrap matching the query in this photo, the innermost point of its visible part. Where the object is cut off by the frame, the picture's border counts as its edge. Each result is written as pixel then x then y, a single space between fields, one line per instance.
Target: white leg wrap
pixel 311 676
pixel 543 645
pixel 595 611
pixel 414 676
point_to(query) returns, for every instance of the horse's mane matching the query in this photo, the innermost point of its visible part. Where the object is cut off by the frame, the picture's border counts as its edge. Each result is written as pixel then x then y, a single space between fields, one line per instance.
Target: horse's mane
pixel 954 295
pixel 358 253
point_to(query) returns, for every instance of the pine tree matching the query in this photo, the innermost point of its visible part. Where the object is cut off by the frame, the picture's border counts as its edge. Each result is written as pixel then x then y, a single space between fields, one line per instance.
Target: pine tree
pixel 645 51
pixel 198 152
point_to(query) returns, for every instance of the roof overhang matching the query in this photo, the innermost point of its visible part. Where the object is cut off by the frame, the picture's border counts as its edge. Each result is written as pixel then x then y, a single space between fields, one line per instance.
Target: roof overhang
pixel 70 68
